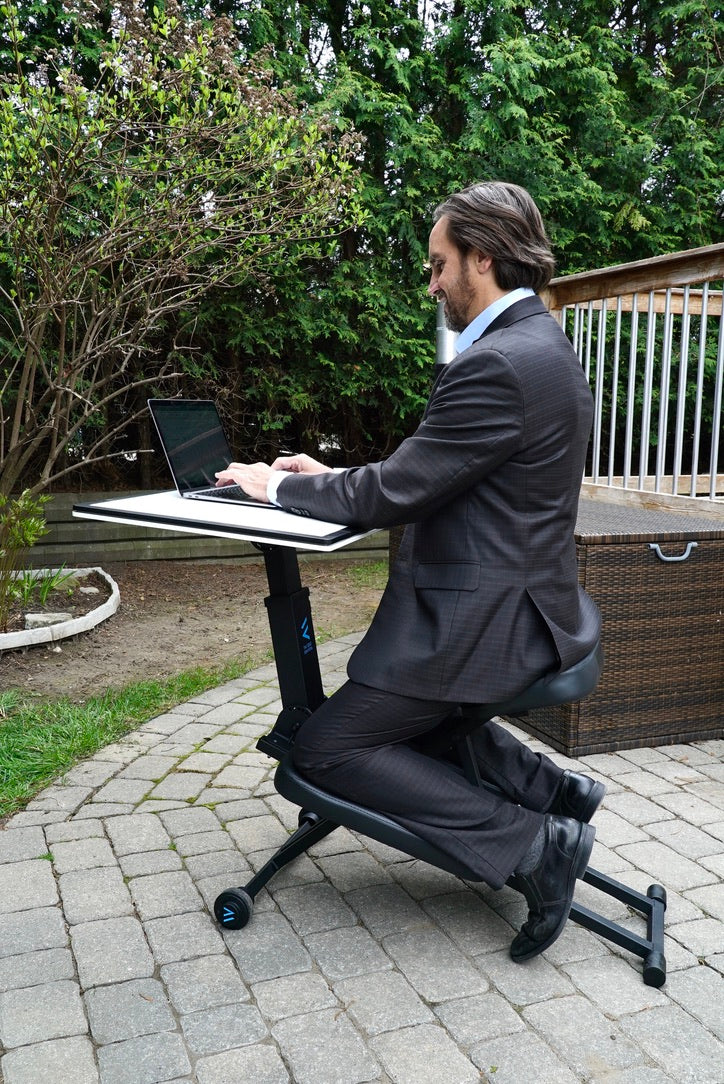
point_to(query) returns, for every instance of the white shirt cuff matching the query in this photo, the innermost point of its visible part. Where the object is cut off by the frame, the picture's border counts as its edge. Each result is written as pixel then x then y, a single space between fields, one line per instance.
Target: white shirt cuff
pixel 278 475
pixel 273 485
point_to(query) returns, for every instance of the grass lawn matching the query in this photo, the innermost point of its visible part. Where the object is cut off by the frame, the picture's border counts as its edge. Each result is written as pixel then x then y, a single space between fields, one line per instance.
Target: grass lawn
pixel 41 739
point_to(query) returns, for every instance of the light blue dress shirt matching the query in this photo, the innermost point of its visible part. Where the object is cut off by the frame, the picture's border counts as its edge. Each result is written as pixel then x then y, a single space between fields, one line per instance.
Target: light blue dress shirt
pixel 483 321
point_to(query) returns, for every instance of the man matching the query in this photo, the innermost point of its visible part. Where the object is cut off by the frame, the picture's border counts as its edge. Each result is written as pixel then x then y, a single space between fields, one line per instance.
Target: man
pixel 483 597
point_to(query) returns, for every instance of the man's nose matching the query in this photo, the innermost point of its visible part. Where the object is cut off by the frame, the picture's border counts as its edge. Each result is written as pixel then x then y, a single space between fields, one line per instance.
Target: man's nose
pixel 433 286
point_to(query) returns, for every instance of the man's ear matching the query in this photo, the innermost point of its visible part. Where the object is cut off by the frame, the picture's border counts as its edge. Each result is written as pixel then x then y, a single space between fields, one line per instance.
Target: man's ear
pixel 483 264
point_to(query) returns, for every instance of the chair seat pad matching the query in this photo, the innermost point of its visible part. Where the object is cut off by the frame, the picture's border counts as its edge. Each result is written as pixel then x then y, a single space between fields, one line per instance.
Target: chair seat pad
pixel 295 788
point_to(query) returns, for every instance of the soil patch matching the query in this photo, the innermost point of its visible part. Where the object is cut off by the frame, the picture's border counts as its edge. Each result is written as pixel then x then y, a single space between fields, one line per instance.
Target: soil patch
pixel 175 615
pixel 76 596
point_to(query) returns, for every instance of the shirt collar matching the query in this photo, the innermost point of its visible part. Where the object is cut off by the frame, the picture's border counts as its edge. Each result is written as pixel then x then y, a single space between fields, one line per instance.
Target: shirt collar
pixel 483 321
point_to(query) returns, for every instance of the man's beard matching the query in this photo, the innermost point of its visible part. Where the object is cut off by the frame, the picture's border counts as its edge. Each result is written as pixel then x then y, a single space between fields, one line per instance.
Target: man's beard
pixel 457 308
pixel 454 319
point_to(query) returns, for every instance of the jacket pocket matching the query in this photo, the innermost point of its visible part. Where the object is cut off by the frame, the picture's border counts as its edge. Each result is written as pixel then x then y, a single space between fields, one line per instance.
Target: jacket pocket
pixel 458 576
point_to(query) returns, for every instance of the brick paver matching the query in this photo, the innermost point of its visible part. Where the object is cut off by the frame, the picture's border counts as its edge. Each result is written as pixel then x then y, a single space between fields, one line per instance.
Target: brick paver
pixel 359 964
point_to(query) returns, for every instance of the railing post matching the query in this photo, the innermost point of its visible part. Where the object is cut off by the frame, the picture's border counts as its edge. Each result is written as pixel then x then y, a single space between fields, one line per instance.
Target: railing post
pixel 716 419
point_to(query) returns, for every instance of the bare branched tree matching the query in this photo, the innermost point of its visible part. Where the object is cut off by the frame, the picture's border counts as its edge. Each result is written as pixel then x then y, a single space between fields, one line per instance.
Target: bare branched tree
pixel 125 199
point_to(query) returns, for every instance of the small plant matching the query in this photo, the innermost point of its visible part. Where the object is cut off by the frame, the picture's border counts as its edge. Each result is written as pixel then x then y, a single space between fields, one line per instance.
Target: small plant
pixel 52 581
pixel 22 523
pixel 25 584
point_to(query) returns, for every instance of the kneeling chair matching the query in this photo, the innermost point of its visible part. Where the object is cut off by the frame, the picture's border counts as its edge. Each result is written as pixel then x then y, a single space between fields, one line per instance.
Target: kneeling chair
pixel 321 812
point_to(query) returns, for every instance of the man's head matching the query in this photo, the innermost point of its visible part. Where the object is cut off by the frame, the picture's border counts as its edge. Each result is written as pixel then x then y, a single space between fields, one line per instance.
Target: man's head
pixel 493 236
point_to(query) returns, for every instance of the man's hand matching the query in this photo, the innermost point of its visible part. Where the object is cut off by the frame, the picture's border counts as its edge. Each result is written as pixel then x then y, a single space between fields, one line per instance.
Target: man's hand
pixel 252 477
pixel 300 464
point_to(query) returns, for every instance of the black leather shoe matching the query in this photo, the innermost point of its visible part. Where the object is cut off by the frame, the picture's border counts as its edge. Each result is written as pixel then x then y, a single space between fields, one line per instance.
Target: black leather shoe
pixel 577 796
pixel 549 887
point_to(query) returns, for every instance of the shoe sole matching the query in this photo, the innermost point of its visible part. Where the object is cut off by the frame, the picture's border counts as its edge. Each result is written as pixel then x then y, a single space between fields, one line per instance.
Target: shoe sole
pixel 598 791
pixel 578 868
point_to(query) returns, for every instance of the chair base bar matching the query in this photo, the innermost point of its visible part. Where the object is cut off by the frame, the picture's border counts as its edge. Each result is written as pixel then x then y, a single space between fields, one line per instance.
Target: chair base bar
pixel 651 906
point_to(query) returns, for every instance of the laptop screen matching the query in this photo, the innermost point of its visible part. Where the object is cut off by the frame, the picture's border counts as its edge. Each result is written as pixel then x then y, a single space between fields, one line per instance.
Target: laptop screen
pixel 194 442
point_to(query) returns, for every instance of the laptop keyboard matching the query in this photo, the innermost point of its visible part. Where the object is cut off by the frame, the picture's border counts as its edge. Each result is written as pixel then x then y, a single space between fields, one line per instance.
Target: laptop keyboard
pixel 227 493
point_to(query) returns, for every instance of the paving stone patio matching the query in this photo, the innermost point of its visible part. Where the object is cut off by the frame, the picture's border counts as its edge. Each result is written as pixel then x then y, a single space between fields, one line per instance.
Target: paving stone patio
pixel 359 964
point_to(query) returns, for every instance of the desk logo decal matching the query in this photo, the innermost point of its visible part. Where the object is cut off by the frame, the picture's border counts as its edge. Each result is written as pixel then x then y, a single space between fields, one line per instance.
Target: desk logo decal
pixel 307 641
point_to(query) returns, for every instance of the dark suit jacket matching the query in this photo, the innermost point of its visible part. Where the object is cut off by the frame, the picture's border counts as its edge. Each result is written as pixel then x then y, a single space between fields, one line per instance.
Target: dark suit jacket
pixel 484 595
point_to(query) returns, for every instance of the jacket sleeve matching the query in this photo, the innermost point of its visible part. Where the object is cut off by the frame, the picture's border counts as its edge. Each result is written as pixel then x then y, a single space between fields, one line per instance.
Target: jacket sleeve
pixel 474 421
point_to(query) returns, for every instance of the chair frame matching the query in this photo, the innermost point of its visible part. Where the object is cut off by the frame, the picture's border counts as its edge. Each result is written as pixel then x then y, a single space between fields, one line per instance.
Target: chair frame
pixel 320 813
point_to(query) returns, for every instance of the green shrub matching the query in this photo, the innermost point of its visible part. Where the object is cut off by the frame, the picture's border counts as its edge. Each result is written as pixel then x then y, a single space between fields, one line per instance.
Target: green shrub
pixel 22 523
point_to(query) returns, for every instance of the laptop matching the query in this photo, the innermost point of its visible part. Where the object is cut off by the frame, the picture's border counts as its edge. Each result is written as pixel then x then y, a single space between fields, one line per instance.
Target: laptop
pixel 196 447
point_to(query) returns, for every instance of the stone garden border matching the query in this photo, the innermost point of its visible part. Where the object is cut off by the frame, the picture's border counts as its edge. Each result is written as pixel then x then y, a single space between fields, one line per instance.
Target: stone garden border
pixel 10 641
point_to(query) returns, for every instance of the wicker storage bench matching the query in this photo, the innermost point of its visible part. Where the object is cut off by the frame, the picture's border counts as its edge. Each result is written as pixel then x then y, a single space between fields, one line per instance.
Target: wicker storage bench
pixel 658 578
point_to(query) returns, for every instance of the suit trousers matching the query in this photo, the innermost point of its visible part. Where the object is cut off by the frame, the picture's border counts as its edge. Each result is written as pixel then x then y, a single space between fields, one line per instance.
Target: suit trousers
pixel 357 745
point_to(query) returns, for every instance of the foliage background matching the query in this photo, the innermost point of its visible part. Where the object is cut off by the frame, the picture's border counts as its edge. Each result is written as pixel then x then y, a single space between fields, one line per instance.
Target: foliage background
pixel 134 181
pixel 609 113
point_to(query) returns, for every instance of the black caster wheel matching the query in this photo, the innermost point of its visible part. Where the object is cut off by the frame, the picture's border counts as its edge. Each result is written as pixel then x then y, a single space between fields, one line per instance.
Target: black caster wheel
pixel 233 908
pixel 655 969
pixel 307 817
pixel 657 892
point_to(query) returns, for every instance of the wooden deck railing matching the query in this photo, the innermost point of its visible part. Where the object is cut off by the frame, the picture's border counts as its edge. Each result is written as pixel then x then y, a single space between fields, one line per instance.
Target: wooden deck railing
pixel 650 337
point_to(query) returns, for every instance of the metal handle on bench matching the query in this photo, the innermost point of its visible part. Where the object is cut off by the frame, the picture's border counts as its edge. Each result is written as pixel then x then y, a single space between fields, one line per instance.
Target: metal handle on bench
pixel 662 556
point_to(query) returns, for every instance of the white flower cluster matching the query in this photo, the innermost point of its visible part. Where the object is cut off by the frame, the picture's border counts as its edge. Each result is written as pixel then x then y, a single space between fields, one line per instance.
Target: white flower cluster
pixel 207 204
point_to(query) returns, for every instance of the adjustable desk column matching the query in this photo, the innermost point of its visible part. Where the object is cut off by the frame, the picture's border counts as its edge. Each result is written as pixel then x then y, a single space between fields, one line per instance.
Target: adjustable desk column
pixel 295 649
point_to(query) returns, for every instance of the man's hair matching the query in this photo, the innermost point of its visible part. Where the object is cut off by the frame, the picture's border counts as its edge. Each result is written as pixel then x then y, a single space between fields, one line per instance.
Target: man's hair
pixel 501 220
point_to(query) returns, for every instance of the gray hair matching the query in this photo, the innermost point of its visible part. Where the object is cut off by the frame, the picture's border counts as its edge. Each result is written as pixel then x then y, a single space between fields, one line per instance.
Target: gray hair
pixel 501 220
